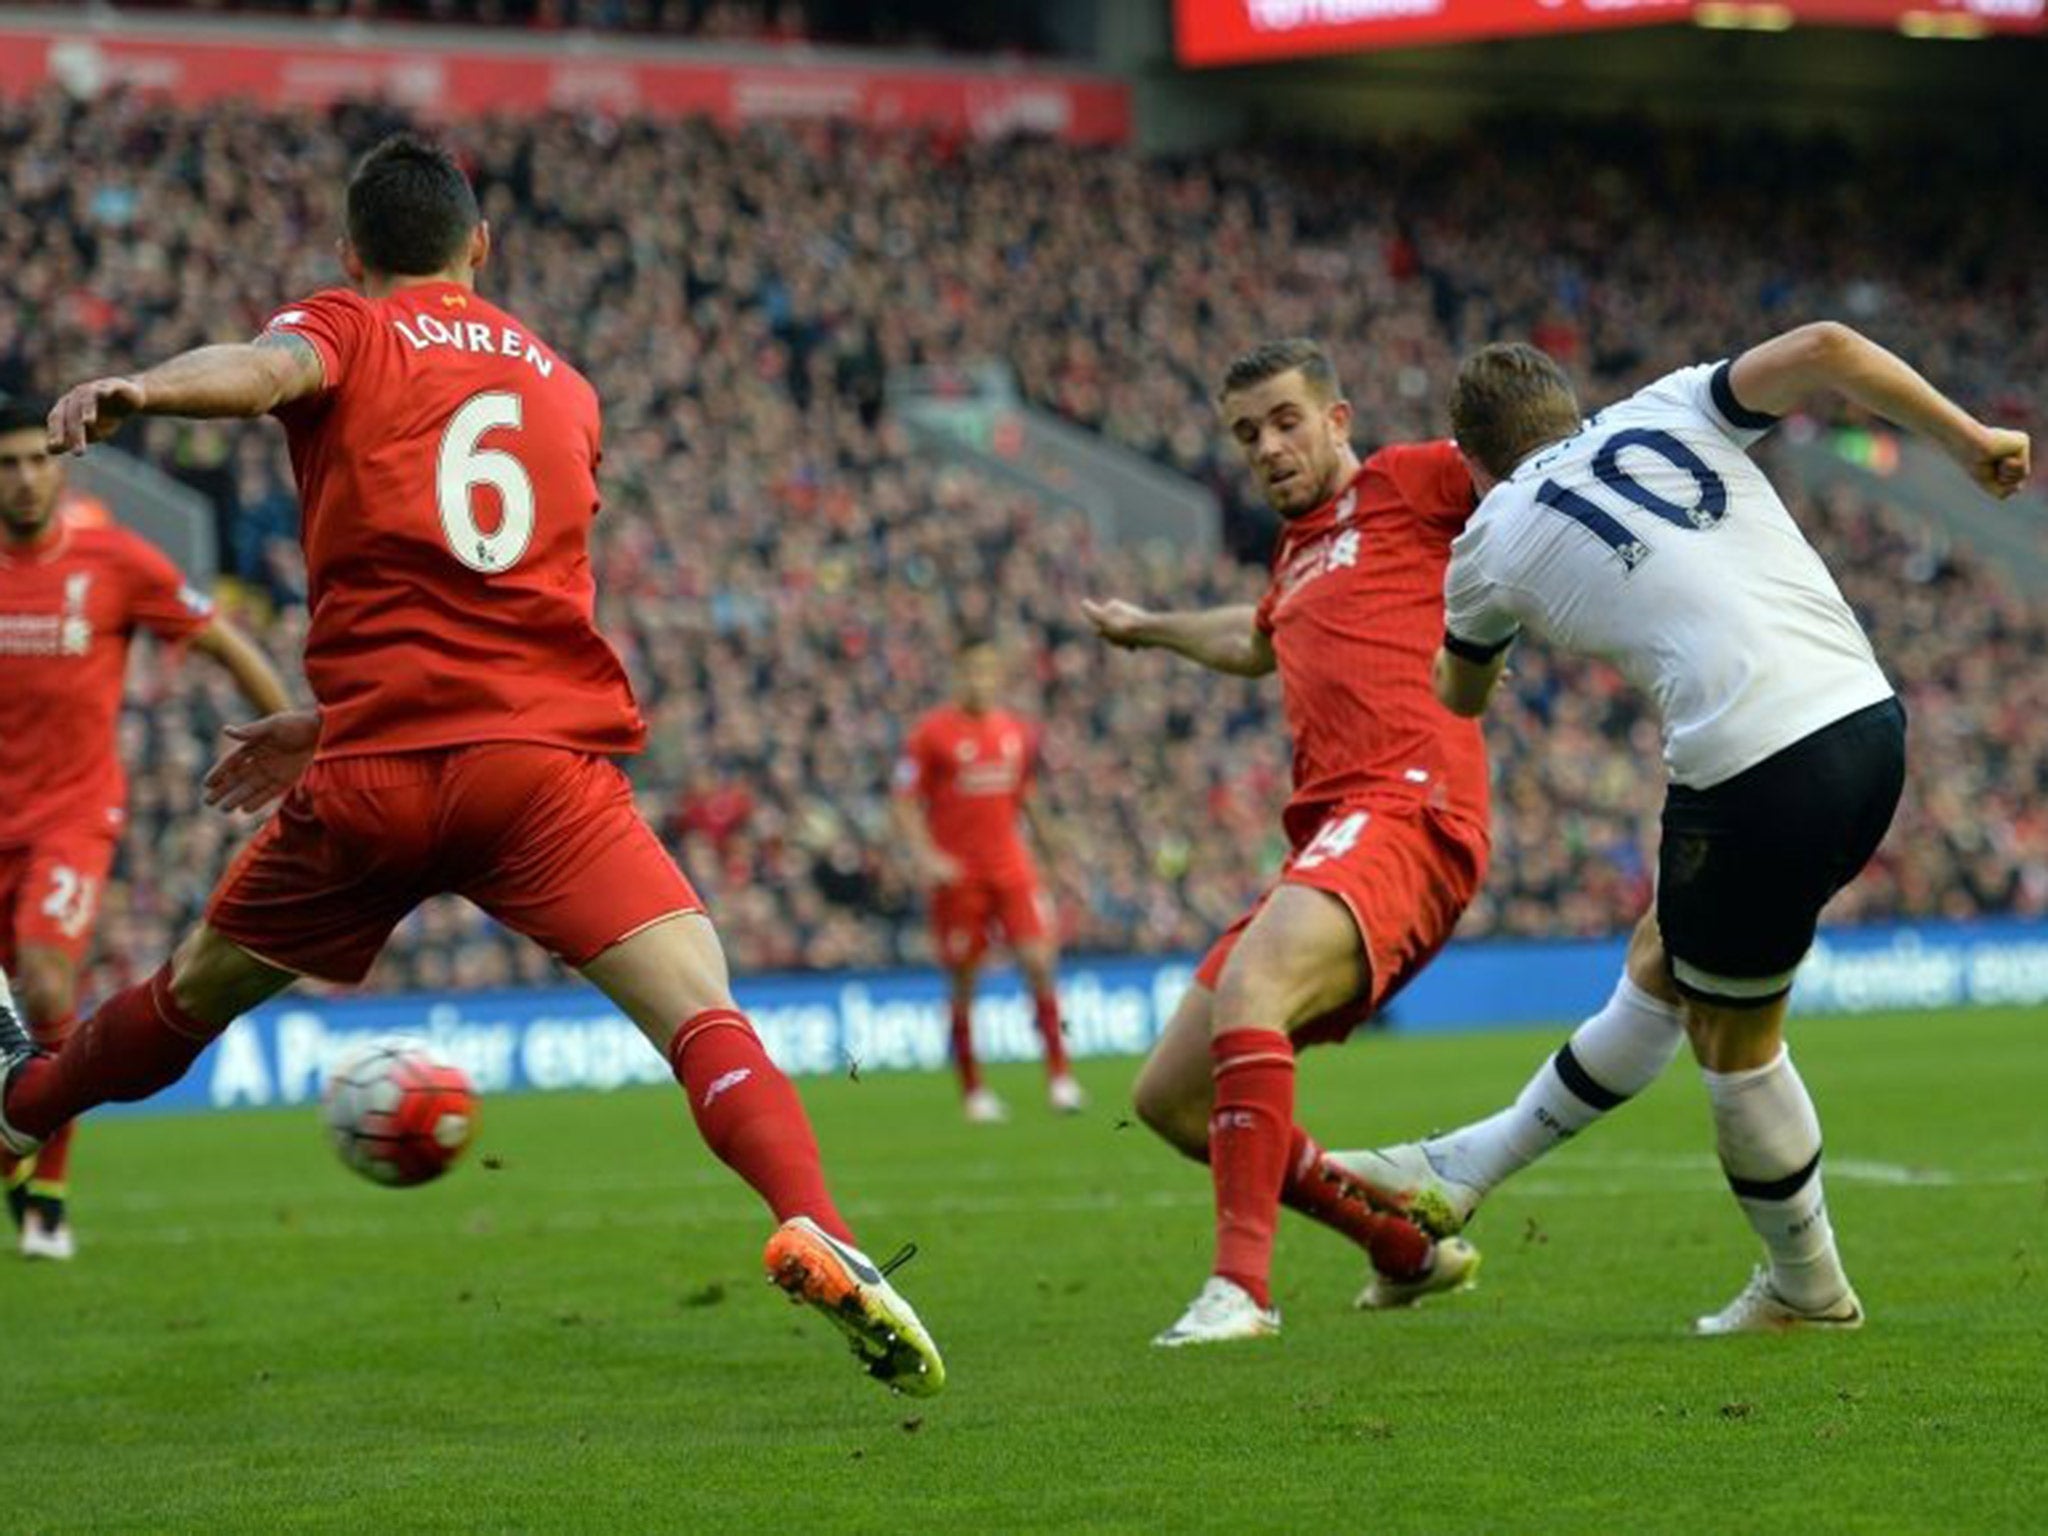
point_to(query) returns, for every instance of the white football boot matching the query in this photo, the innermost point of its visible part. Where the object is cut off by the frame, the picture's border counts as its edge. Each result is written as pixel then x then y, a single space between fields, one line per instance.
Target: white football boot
pixel 1409 1179
pixel 1066 1096
pixel 1760 1309
pixel 46 1231
pixel 17 1050
pixel 1455 1267
pixel 1224 1311
pixel 982 1107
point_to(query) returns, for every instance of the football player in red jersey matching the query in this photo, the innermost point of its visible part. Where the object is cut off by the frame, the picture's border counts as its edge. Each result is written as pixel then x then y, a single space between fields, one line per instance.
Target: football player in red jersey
pixel 468 714
pixel 72 598
pixel 1388 824
pixel 962 784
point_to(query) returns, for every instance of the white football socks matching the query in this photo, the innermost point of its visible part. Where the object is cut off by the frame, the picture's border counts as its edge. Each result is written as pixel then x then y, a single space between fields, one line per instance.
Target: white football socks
pixel 1769 1139
pixel 1609 1059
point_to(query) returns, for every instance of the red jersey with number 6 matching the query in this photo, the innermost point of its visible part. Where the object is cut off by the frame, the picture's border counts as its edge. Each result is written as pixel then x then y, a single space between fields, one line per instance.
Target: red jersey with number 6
pixel 448 475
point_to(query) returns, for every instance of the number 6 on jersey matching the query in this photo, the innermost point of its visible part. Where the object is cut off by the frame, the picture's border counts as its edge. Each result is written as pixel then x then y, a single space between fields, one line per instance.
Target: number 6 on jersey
pixel 461 466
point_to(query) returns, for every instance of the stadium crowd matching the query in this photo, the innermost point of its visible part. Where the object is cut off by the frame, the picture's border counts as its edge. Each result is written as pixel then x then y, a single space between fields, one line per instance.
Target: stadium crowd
pixel 993 26
pixel 787 579
pixel 711 20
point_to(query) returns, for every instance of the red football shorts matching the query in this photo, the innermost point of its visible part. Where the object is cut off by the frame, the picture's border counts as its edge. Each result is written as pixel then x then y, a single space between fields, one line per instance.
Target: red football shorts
pixel 50 891
pixel 544 839
pixel 1407 877
pixel 967 913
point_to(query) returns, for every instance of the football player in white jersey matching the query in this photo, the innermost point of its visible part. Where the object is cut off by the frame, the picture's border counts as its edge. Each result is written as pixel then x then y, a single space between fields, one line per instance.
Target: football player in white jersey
pixel 1647 537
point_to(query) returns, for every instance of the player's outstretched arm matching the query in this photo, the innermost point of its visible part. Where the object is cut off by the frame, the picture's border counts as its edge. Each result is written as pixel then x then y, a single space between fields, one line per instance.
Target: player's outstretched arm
pixel 1221 639
pixel 242 660
pixel 1778 374
pixel 240 379
pixel 930 865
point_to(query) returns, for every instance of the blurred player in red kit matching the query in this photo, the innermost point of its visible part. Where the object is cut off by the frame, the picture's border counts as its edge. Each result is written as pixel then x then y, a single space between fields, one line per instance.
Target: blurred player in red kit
pixel 962 786
pixel 1388 827
pixel 469 711
pixel 72 598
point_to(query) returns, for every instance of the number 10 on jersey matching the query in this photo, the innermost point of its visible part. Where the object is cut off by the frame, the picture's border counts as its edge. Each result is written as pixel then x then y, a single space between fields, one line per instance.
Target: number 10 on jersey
pixel 461 466
pixel 1709 489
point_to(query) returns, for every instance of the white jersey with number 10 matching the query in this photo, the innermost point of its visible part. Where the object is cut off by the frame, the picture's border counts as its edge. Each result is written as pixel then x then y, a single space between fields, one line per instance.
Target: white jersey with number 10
pixel 1651 540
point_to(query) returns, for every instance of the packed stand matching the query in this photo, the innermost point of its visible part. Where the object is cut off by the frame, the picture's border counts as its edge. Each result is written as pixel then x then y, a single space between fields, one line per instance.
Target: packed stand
pixel 1009 26
pixel 786 578
pixel 713 20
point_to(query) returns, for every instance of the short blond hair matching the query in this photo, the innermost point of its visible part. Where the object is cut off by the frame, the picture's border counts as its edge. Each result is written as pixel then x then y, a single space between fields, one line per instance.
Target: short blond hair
pixel 1510 399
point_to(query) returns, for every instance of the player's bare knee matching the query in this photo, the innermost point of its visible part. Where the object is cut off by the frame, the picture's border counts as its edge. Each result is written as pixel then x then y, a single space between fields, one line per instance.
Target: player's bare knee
pixel 1269 986
pixel 215 980
pixel 1699 1033
pixel 1301 957
pixel 1173 1092
pixel 1149 1104
pixel 1734 1039
pixel 45 986
pixel 1647 964
pixel 1263 996
pixel 1149 1096
pixel 1261 977
pixel 664 975
pixel 1038 965
pixel 1166 1109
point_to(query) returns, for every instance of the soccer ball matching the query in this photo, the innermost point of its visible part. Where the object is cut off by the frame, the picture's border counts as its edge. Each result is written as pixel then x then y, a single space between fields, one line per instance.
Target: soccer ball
pixel 398 1113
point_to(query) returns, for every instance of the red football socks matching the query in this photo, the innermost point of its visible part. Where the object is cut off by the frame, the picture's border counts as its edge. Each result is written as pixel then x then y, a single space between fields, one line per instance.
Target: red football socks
pixel 750 1116
pixel 53 1158
pixel 963 1047
pixel 139 1041
pixel 1249 1136
pixel 1047 1007
pixel 1317 1189
pixel 53 1162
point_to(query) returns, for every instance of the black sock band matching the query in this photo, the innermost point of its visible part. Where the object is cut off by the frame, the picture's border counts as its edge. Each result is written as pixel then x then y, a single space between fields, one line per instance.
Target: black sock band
pixel 1581 1082
pixel 1775 1189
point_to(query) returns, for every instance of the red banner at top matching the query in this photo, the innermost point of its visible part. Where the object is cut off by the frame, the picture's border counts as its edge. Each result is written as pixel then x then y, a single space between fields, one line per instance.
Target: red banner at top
pixel 463 80
pixel 1246 31
pixel 1251 31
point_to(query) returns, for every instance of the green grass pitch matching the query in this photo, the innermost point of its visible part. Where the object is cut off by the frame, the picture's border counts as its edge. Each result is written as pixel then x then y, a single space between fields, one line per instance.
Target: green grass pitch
pixel 571 1332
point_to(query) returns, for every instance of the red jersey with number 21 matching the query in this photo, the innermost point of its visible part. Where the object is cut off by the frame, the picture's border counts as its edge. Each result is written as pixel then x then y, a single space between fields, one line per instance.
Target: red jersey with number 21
pixel 68 610
pixel 448 476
